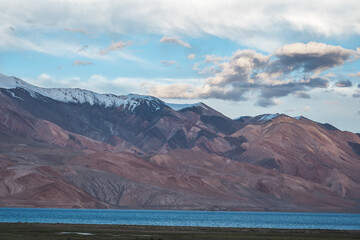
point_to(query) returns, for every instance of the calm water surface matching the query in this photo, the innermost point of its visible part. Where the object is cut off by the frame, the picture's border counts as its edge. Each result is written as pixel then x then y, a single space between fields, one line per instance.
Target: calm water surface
pixel 183 218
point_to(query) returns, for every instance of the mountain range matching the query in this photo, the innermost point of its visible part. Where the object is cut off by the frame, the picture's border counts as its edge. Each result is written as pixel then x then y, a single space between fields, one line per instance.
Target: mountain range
pixel 73 148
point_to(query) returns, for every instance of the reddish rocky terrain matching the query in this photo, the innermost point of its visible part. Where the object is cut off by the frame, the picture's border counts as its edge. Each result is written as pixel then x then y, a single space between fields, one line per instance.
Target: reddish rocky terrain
pixel 72 149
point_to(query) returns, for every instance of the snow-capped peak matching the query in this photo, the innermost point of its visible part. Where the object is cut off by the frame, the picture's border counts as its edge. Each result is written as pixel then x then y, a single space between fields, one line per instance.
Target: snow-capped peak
pixel 76 95
pixel 264 117
pixel 178 107
pixel 12 82
pixel 268 117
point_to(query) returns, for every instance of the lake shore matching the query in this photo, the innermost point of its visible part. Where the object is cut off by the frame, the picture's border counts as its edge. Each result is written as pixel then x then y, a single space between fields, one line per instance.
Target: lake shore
pixel 27 231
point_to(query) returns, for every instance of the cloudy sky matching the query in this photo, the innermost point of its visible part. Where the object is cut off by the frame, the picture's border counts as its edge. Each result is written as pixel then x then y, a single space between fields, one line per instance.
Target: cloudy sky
pixel 239 57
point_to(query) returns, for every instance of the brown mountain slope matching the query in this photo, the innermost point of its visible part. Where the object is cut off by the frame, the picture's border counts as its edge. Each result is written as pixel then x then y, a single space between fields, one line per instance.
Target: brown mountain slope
pixel 41 175
pixel 31 176
pixel 303 148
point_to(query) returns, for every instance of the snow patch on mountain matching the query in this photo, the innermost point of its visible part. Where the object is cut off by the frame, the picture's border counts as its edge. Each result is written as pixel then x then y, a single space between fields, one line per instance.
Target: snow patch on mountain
pixel 268 117
pixel 13 95
pixel 241 118
pixel 76 95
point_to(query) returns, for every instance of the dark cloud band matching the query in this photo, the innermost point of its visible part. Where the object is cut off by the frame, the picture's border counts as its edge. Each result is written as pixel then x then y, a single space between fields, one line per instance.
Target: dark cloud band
pixel 344 83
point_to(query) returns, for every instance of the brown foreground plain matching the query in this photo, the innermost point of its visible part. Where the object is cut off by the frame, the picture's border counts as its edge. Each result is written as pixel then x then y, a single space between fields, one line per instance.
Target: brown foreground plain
pixel 27 231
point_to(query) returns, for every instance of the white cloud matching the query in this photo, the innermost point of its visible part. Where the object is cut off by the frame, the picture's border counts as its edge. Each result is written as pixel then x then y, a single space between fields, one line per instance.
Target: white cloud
pixel 330 75
pixel 175 40
pixel 306 108
pixel 314 48
pixel 115 46
pixel 214 59
pixel 168 63
pixel 44 77
pixel 354 74
pixel 96 83
pixel 191 56
pixel 261 23
pixel 79 62
pixel 48 46
pixel 77 30
pixel 179 90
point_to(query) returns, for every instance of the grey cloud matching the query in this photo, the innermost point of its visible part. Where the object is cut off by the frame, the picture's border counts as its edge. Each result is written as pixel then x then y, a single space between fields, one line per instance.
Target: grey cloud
pixel 358 85
pixel 280 90
pixel 239 68
pixel 265 103
pixel 285 89
pixel 317 83
pixel 301 94
pixel 343 83
pixel 83 48
pixel 310 57
pixel 356 94
pixel 275 75
pixel 234 94
pixel 175 40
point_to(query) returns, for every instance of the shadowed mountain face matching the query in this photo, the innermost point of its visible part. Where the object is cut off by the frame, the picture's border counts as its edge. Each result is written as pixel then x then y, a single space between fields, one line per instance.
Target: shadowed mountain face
pixel 76 148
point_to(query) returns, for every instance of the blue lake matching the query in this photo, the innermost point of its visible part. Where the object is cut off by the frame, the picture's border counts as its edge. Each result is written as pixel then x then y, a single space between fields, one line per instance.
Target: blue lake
pixel 183 218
